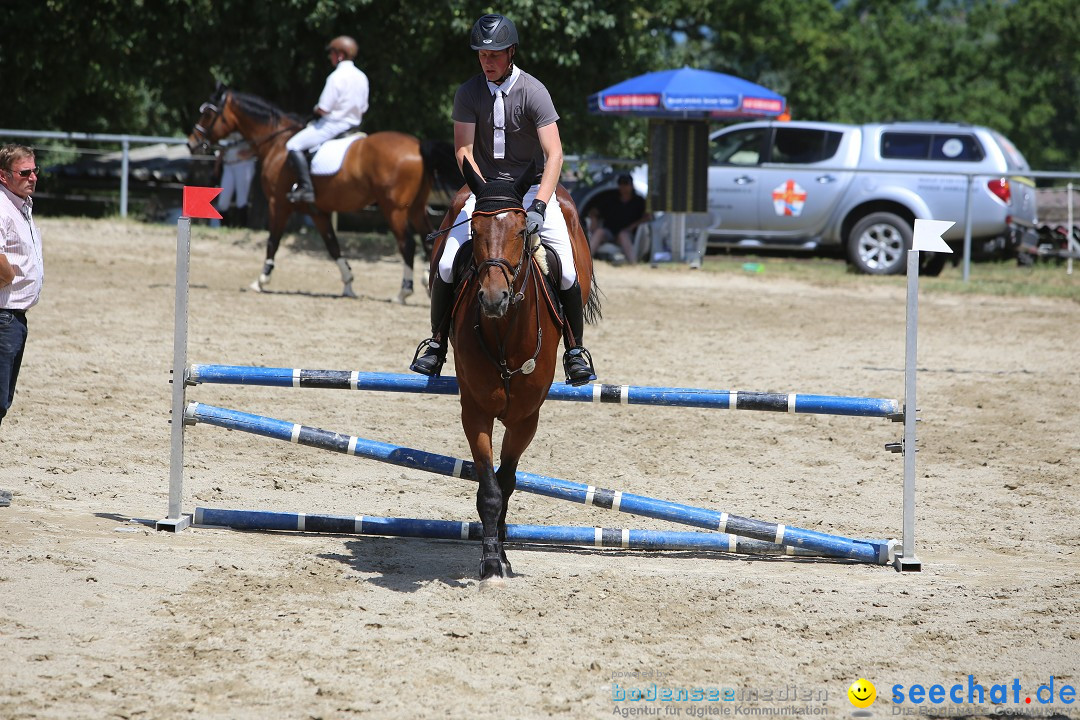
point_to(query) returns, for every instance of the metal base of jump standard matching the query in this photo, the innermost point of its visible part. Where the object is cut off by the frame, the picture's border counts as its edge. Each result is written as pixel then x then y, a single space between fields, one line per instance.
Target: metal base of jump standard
pixel 527 534
pixel 878 552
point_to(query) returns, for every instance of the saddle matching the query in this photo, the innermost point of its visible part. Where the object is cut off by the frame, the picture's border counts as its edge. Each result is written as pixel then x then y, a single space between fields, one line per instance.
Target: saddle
pixel 327 158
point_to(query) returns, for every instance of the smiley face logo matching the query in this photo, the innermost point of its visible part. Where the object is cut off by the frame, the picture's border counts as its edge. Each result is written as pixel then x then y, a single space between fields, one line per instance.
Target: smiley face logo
pixel 862 693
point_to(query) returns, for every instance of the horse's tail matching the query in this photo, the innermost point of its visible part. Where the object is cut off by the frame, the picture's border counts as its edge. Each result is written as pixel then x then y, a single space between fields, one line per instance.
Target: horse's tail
pixel 441 166
pixel 592 311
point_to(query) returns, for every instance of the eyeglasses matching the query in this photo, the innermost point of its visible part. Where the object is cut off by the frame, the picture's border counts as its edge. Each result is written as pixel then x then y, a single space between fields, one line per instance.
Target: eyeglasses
pixel 25 173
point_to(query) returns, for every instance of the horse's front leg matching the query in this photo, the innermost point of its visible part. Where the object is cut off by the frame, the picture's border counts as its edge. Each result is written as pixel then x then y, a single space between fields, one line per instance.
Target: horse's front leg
pixel 517 438
pixel 326 230
pixel 489 500
pixel 277 229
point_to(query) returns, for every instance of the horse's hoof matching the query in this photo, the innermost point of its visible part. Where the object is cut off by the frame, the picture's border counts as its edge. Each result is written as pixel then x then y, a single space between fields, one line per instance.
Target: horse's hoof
pixel 401 296
pixel 256 286
pixel 495 582
pixel 347 291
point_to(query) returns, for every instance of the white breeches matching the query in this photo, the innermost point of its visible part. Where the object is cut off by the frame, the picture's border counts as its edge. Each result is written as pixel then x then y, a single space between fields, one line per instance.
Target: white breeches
pixel 316 134
pixel 554 234
pixel 236 178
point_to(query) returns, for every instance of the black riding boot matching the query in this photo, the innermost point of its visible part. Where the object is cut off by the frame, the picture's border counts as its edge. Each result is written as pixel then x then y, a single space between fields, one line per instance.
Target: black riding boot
pixel 303 191
pixel 431 362
pixel 577 362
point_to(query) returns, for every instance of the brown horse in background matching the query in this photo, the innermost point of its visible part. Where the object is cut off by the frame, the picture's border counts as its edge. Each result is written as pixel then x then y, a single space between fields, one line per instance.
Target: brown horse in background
pixel 506 338
pixel 390 169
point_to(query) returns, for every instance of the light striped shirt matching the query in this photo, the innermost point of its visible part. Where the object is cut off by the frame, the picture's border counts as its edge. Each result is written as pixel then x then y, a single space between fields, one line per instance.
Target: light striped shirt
pixel 20 242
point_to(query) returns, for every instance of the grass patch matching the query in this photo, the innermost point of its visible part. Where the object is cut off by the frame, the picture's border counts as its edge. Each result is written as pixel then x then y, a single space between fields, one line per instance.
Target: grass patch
pixel 999 278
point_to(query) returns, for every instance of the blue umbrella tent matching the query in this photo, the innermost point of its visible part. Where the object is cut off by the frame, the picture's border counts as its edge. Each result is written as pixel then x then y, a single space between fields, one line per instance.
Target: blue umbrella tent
pixel 687 93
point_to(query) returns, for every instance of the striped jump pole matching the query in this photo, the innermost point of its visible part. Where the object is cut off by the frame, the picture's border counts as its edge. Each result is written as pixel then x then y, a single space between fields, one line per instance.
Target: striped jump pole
pixel 597 393
pixel 532 534
pixel 867 551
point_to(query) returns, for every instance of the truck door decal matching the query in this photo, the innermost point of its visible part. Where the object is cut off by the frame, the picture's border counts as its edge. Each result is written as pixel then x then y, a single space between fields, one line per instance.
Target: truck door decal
pixel 789 198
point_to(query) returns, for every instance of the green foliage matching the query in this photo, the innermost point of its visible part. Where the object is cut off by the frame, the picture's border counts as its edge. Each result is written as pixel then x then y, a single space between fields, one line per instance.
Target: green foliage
pixel 131 66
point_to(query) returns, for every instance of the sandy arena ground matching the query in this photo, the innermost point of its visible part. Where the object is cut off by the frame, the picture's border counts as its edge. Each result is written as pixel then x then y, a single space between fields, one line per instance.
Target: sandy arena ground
pixel 103 617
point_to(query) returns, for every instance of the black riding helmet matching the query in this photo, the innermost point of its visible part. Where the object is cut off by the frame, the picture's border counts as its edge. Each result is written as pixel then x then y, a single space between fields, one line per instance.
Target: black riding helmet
pixel 493 32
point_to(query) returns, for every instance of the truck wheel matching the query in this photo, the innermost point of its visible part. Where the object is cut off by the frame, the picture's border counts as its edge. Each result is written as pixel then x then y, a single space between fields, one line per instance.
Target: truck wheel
pixel 878 244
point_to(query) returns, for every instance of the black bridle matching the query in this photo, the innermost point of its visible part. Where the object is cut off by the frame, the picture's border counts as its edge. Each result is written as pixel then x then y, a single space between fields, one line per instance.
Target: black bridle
pixel 204 132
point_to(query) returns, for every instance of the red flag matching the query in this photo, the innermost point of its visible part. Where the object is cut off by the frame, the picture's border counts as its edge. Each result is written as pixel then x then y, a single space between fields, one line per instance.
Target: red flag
pixel 197 202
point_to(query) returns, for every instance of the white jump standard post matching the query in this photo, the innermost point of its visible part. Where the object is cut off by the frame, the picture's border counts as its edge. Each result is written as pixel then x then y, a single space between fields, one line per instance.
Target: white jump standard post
pixel 175 522
pixel 927 236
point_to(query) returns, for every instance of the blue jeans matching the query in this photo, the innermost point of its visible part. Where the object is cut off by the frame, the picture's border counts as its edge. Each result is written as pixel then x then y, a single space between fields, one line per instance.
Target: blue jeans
pixel 12 342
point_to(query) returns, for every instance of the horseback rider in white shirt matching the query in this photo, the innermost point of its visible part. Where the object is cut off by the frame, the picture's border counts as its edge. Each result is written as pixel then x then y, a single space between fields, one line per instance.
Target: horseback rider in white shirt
pixel 341 106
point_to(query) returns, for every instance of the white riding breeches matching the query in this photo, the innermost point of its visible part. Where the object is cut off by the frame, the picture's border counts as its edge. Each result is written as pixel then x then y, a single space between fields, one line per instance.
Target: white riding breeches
pixel 236 180
pixel 316 134
pixel 554 234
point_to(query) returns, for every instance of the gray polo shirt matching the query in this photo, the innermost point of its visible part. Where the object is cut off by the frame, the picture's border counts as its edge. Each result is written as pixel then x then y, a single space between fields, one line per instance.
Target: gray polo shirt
pixel 528 107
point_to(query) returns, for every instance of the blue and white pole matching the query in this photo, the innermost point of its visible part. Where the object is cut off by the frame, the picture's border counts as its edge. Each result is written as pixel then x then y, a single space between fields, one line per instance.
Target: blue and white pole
pixel 451 530
pixel 867 551
pixel 597 393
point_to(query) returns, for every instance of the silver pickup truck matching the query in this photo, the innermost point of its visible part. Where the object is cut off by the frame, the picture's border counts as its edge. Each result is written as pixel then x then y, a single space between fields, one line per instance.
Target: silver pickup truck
pixel 859 188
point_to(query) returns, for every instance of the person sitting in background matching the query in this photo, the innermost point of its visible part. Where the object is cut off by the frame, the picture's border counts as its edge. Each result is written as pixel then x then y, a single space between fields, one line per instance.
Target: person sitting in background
pixel 619 217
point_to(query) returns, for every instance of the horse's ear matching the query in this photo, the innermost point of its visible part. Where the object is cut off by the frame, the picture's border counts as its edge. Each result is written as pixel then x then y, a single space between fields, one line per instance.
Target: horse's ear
pixel 471 178
pixel 525 180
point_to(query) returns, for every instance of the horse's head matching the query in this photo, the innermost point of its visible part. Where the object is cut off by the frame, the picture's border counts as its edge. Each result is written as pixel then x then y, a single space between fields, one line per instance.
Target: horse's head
pixel 498 236
pixel 213 124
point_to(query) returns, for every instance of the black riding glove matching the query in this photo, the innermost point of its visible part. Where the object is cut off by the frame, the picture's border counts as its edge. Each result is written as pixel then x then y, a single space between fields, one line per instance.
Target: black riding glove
pixel 534 217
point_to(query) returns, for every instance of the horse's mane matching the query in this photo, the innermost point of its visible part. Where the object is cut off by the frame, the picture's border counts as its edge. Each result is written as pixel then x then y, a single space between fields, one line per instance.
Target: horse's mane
pixel 262 110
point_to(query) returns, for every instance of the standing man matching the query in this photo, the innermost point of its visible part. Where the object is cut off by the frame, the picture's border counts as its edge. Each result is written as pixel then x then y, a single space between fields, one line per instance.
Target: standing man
pixel 21 268
pixel 503 121
pixel 236 168
pixel 342 105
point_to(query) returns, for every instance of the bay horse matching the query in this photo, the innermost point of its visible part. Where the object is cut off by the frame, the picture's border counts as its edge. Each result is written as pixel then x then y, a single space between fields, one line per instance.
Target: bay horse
pixel 391 169
pixel 506 337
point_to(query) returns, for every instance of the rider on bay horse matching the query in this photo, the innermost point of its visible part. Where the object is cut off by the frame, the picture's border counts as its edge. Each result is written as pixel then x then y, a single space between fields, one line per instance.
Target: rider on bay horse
pixel 341 106
pixel 504 120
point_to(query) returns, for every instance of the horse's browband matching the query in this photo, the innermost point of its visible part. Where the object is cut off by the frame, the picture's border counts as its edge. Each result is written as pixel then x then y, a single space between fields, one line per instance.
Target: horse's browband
pixel 501 210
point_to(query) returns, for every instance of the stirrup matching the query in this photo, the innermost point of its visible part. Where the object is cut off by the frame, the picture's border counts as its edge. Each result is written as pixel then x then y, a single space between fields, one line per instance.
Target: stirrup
pixel 577 362
pixel 431 362
pixel 300 194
